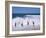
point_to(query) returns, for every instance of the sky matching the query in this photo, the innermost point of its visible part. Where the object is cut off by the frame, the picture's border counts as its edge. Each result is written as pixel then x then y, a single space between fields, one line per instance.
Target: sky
pixel 25 10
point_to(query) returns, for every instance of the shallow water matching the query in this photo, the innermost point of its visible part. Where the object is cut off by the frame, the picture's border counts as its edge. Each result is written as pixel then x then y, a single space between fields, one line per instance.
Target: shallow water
pixel 24 20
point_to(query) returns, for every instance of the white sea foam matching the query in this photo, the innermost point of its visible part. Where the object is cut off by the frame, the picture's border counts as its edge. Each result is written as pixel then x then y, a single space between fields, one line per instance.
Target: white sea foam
pixel 24 20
